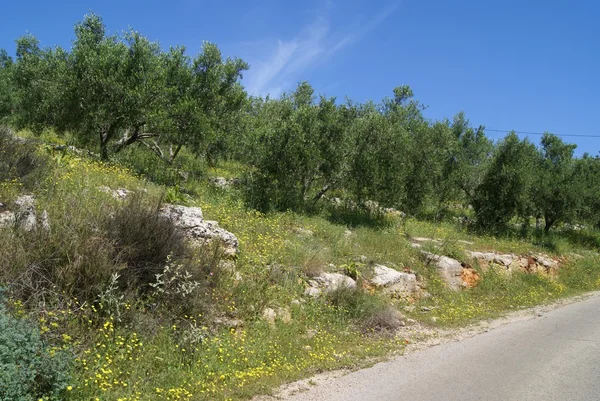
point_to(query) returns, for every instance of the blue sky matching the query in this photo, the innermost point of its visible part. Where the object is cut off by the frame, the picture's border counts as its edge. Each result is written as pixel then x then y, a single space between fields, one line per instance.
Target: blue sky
pixel 531 65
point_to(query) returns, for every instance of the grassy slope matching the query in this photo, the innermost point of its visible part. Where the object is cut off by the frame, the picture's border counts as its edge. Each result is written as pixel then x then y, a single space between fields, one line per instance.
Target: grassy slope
pixel 148 357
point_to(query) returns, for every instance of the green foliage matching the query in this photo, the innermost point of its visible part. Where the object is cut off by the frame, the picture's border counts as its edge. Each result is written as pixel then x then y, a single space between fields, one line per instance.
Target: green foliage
pixel 31 369
pixel 506 190
pixel 587 175
pixel 113 91
pixel 296 150
pixel 6 85
pixel 21 162
pixel 558 192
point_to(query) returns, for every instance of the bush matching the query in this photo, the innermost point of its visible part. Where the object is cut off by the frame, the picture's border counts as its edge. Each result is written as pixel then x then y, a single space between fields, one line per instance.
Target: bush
pixel 31 370
pixel 370 312
pixel 142 239
pixel 19 160
pixel 100 250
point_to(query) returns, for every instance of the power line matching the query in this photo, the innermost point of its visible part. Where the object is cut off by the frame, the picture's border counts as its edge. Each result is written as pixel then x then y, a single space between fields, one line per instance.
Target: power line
pixel 541 133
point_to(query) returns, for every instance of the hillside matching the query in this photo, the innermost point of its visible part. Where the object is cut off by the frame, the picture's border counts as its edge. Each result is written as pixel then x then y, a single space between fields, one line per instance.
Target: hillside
pixel 127 308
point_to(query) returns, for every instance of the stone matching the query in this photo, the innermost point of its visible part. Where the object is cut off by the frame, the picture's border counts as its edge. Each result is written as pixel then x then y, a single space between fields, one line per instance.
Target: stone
pixel 328 282
pixel 424 239
pixel 390 211
pixel 336 201
pixel 393 281
pixel 504 260
pixel 546 261
pixel 119 193
pixel 487 257
pixel 284 314
pixel 191 222
pixel 224 183
pixel 450 269
pixel 269 315
pixel 470 277
pixel 230 323
pixel 7 219
pixel 303 232
pixel 24 215
pixel 45 220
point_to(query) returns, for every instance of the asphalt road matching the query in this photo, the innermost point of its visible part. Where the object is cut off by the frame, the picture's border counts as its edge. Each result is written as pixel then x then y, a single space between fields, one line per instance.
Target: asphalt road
pixel 552 357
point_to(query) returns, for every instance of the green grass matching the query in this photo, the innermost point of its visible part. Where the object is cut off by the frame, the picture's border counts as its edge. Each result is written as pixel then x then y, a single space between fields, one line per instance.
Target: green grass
pixel 131 344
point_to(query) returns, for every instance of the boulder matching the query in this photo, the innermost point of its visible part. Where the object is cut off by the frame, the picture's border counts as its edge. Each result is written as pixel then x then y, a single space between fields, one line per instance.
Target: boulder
pixel 394 282
pixel 486 257
pixel 24 215
pixel 532 264
pixel 505 260
pixel 190 222
pixel 269 315
pixel 328 282
pixel 546 261
pixel 224 183
pixel 450 269
pixel 470 277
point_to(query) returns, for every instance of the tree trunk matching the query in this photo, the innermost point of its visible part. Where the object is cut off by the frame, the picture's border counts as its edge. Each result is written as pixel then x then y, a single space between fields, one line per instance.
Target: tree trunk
pixel 103 147
pixel 174 154
pixel 549 223
pixel 321 193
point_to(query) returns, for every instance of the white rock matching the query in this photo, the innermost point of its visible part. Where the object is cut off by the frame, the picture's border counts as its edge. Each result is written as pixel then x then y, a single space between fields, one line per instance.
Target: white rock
pixel 393 281
pixel 7 219
pixel 269 315
pixel 45 220
pixel 546 261
pixel 26 212
pixel 450 269
pixel 190 221
pixel 482 256
pixel 504 260
pixel 328 282
pixel 284 314
pixel 119 193
pixel 303 232
pixel 25 215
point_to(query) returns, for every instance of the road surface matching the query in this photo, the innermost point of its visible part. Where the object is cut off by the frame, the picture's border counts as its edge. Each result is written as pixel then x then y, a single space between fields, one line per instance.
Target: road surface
pixel 552 357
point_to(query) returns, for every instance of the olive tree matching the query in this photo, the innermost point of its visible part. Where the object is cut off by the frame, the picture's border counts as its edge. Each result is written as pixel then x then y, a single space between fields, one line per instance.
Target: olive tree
pixel 558 192
pixel 506 189
pixel 6 86
pixel 296 150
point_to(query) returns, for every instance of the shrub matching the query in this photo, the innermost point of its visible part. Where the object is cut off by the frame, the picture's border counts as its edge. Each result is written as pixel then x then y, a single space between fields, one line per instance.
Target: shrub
pixel 142 239
pixel 31 369
pixel 19 160
pixel 370 312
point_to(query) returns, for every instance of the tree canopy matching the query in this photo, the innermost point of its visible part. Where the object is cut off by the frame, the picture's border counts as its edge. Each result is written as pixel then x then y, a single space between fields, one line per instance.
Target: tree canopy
pixel 110 91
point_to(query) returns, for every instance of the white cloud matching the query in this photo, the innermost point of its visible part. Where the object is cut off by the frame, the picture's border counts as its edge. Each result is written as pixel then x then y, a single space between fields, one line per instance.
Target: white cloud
pixel 289 59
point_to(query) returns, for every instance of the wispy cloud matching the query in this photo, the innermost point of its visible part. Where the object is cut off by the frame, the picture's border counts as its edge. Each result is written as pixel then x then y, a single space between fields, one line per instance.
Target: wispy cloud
pixel 314 44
